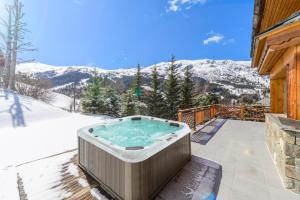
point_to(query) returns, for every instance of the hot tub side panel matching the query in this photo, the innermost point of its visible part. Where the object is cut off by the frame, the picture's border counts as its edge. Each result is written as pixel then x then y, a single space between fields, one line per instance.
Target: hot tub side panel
pixel 150 176
pixel 130 181
pixel 108 170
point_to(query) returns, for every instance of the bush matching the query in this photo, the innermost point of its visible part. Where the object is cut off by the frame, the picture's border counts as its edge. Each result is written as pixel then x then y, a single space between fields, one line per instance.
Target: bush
pixel 34 87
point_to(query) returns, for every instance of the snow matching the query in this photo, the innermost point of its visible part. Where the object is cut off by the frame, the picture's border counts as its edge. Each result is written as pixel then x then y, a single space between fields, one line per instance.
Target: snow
pixel 61 101
pixel 96 193
pixel 8 184
pixel 31 130
pixel 82 182
pixel 38 176
pixel 73 170
pixel 41 139
pixel 21 111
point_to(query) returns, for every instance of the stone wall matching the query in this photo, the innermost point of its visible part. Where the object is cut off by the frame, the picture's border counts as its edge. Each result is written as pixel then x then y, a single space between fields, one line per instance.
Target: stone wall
pixel 285 149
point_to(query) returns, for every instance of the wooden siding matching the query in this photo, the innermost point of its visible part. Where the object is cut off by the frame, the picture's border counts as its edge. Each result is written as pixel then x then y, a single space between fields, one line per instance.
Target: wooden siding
pixel 297 63
pixel 293 84
pixel 276 11
pixel 277 95
pixel 134 181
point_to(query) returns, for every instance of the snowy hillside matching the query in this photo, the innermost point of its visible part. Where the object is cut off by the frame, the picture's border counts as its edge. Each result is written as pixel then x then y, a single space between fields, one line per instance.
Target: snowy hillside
pixel 31 130
pixel 236 76
pixel 17 110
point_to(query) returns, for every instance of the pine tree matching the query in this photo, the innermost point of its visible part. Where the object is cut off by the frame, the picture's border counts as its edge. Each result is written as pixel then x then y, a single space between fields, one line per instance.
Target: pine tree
pixel 172 91
pixel 187 89
pixel 155 101
pixel 128 104
pixel 112 103
pixel 138 83
pixel 93 101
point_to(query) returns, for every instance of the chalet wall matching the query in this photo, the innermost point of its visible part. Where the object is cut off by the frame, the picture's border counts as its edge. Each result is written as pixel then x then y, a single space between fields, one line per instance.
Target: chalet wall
pixel 285 84
pixel 277 95
pixel 285 150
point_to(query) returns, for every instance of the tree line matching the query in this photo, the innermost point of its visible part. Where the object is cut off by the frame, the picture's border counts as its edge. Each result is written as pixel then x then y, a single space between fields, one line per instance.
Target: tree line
pixel 163 99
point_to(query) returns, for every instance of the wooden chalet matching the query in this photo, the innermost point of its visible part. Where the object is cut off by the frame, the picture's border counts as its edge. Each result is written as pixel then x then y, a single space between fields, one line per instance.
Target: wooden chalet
pixel 276 53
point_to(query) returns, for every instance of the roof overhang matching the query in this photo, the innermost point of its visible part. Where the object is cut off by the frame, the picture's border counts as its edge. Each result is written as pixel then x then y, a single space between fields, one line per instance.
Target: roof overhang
pixel 267 13
pixel 257 16
pixel 270 45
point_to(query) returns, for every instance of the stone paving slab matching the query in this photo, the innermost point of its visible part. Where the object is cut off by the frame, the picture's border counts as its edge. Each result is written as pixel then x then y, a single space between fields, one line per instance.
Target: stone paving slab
pixel 199 179
pixel 248 172
pixel 206 132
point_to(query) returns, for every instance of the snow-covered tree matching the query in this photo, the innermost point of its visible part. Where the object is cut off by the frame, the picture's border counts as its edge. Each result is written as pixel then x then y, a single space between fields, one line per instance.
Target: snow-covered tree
pixel 138 83
pixel 112 103
pixel 187 89
pixel 128 103
pixel 155 100
pixel 207 99
pixel 93 102
pixel 172 91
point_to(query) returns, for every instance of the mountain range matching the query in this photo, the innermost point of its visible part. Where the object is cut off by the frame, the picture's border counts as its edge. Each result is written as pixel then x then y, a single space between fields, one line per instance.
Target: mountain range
pixel 234 77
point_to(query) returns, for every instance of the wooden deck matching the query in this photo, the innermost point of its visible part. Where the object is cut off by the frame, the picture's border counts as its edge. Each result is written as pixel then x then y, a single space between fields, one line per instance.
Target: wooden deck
pixel 199 175
pixel 70 186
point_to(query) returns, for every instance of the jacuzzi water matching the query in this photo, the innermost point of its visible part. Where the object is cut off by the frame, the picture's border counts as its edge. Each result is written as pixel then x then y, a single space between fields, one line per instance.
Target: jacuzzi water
pixel 133 133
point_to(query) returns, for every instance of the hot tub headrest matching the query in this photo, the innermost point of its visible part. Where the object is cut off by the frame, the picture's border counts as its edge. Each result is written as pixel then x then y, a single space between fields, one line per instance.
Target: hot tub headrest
pixel 174 124
pixel 134 148
pixel 136 118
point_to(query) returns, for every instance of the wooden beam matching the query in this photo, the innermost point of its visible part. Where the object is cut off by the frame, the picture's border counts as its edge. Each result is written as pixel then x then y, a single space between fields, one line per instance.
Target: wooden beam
pixel 279 70
pixel 291 85
pixel 277 95
pixel 297 62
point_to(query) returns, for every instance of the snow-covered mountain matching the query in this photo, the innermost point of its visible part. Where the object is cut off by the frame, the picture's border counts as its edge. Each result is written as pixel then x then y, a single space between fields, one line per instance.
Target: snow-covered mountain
pixel 235 76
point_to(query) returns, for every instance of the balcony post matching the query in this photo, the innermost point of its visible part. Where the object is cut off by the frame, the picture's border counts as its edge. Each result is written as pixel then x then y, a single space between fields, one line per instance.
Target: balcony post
pixel 180 116
pixel 242 115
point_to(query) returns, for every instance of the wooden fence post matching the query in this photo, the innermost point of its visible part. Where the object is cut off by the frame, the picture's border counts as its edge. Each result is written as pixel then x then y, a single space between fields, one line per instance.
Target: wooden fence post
pixel 212 111
pixel 179 116
pixel 242 115
pixel 195 118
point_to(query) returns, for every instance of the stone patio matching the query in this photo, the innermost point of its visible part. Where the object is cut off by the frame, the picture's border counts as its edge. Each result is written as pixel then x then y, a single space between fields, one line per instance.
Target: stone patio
pixel 248 171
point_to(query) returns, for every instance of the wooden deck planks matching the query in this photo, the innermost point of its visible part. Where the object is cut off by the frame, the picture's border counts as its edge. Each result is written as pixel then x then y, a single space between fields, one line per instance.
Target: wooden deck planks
pixel 77 186
pixel 70 183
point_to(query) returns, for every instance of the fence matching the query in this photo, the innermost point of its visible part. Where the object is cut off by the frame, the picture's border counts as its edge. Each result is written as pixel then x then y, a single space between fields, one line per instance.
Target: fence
pixel 199 115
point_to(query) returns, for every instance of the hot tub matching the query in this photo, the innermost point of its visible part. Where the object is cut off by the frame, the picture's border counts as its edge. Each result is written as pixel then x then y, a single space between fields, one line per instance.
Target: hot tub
pixel 134 157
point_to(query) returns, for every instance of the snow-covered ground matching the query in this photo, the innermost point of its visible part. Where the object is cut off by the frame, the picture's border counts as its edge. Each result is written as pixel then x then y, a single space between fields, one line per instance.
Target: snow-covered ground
pixel 62 101
pixel 21 111
pixel 30 130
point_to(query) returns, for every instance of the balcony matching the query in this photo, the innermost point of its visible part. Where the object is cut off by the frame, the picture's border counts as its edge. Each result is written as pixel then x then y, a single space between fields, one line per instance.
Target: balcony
pixel 238 143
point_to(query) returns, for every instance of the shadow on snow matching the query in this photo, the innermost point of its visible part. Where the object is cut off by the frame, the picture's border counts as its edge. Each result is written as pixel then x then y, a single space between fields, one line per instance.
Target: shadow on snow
pixel 15 109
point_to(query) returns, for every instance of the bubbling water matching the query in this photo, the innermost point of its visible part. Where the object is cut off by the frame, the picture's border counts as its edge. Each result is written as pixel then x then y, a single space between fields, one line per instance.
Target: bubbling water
pixel 133 133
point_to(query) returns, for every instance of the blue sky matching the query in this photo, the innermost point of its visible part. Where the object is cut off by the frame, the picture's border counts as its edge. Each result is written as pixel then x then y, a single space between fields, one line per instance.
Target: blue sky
pixel 118 33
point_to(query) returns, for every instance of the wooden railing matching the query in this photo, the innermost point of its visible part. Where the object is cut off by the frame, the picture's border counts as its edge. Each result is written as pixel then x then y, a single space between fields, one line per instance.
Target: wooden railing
pixel 199 115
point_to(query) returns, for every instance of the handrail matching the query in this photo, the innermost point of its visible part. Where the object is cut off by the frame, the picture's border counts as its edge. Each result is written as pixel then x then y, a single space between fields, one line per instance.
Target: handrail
pixel 199 115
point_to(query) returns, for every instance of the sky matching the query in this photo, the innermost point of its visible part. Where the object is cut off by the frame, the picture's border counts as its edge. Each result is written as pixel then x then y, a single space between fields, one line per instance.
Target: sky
pixel 118 34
